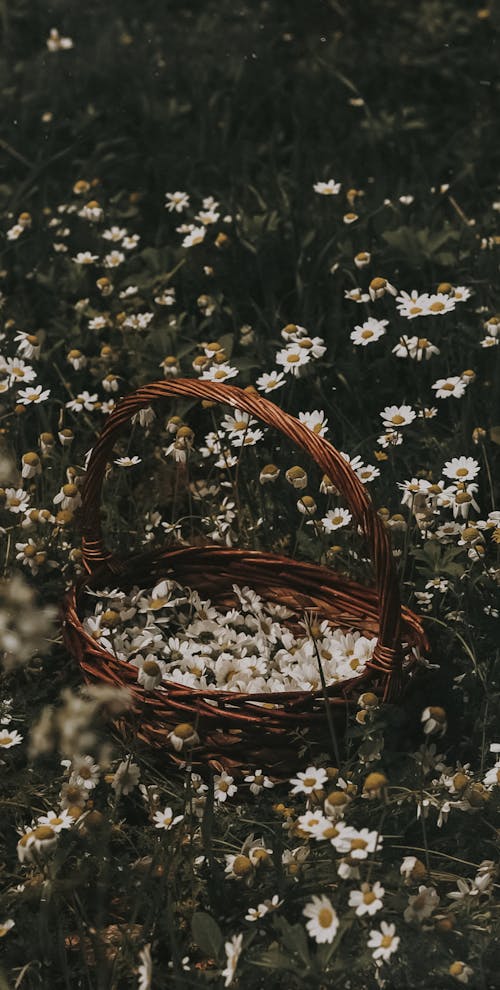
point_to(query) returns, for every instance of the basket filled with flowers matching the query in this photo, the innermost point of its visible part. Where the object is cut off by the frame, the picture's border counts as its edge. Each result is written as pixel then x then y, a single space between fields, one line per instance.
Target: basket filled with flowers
pixel 230 653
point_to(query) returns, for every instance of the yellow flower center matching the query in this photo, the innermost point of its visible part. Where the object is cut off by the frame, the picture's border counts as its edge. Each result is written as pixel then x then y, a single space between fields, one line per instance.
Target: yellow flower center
pixel 462 472
pixel 447 387
pixel 151 668
pixel 436 307
pixel 358 844
pixel 369 897
pixel 292 358
pixel 386 941
pixel 325 917
pixel 43 833
pixel 5 741
pixel 397 419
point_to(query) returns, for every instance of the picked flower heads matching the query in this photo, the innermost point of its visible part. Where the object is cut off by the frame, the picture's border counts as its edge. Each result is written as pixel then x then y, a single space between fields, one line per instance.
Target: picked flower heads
pixel 171 635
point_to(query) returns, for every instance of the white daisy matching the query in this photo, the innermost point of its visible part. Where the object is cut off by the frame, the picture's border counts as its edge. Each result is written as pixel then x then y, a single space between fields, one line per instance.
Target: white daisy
pixel 323 919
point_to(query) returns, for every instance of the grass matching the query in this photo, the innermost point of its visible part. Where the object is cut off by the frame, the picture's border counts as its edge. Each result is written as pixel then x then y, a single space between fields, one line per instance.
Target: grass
pixel 251 104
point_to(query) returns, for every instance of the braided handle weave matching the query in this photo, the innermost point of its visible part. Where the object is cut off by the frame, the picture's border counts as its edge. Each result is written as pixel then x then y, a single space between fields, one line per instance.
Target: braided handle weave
pixel 387 655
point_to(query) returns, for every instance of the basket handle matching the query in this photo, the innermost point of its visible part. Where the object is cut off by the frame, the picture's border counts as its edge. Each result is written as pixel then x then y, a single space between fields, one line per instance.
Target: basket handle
pixel 387 656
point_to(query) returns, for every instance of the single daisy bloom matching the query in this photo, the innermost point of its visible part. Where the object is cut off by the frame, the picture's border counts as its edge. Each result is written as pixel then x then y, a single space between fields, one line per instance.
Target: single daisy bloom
pixel 367 473
pixel 367 900
pixel 82 401
pixel 460 971
pixel 166 819
pixel 398 416
pixel 336 519
pixel 184 735
pixel 258 781
pixel 292 359
pixel 315 421
pixel 9 738
pixel 233 950
pixel 84 772
pixel 362 259
pixel 383 942
pixel 446 387
pixel 434 720
pixel 356 295
pixel 329 188
pixel 224 787
pixel 16 500
pixel 150 673
pixel 421 905
pixel 127 462
pixel 412 304
pixel 85 258
pixel 270 382
pixel 195 236
pixel 219 373
pixel 309 780
pixel 357 843
pixel 113 259
pixel 439 304
pixel 323 919
pixel 58 820
pixel 369 331
pixel 125 777
pixel 461 469
pixel 176 201
pixel 461 293
pixel 378 288
pixel 29 396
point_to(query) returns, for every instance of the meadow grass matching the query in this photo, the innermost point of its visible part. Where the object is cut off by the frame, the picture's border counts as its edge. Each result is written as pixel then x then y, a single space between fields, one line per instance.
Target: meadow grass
pixel 303 200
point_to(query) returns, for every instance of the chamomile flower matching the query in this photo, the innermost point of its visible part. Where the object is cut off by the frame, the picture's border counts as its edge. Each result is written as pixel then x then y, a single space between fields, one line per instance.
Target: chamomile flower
pixel 58 820
pixel 447 388
pixel 315 421
pixel 369 331
pixel 233 950
pixel 9 738
pixel 336 519
pixel 270 382
pixel 292 359
pixel 166 819
pixel 309 780
pixel 329 188
pixel 368 899
pixel 176 202
pixel 194 237
pixel 127 462
pixel 412 304
pixel 224 787
pixel 461 468
pixel 398 416
pixel 323 922
pixel 219 373
pixel 32 396
pixel 384 941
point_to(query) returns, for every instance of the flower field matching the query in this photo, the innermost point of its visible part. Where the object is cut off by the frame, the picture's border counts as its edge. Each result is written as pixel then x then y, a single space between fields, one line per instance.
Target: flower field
pixel 249 727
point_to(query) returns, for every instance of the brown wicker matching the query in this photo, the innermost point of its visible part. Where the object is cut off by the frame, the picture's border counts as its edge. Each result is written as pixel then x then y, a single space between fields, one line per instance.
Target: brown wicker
pixel 238 731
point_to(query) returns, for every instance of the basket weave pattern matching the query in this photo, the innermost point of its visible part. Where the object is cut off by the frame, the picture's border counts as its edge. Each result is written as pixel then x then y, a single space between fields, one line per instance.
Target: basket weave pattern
pixel 243 730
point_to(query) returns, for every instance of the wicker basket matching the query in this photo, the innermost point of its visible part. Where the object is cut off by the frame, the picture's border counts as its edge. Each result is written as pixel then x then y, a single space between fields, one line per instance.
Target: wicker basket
pixel 240 731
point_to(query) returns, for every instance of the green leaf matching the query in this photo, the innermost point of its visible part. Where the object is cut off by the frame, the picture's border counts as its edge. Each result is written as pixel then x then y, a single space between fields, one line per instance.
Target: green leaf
pixel 293 938
pixel 207 934
pixel 275 959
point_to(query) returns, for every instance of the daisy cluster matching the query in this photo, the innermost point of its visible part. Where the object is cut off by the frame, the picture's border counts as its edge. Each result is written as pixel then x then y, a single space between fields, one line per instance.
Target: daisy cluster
pixel 171 635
